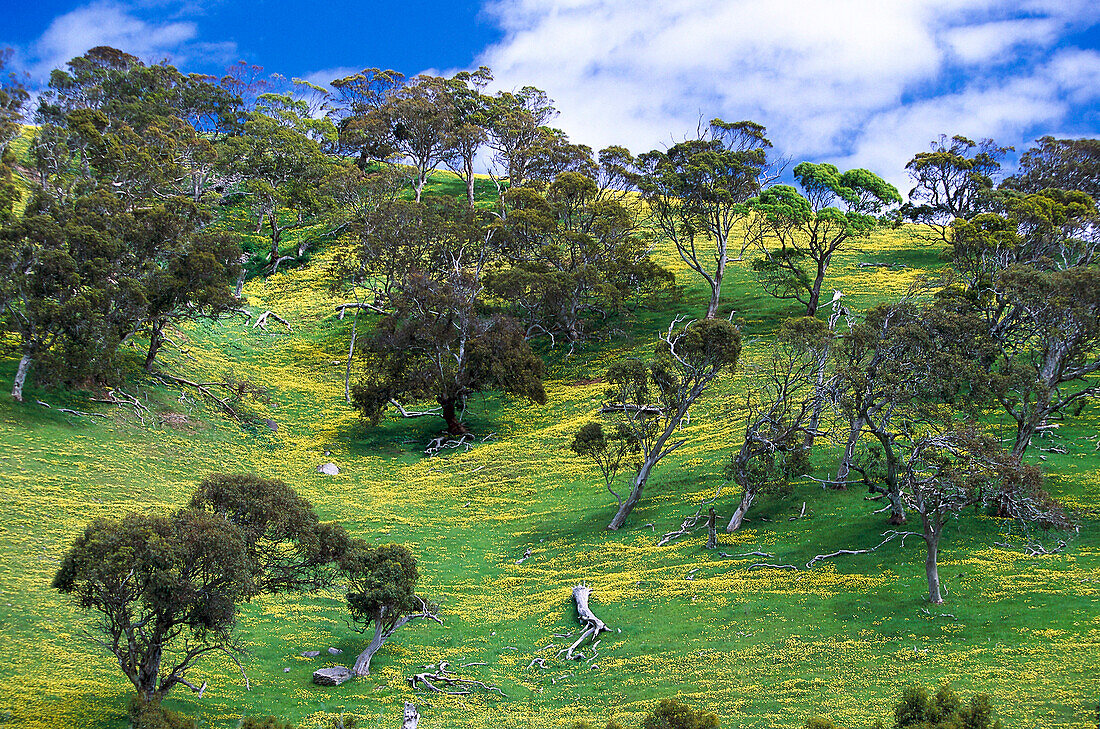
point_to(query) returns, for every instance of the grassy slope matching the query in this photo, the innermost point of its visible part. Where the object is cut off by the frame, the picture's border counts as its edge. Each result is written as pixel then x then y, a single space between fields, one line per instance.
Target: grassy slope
pixel 763 648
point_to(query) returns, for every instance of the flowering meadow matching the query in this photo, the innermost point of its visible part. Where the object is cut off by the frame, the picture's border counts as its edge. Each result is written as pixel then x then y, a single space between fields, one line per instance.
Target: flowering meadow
pixel 761 647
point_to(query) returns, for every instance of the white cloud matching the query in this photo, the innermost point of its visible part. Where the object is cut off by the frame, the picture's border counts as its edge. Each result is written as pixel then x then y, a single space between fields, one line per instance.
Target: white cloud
pixel 110 23
pixel 863 82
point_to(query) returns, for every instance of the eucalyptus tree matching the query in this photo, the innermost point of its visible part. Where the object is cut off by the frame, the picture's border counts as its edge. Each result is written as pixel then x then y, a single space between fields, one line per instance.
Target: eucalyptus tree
pixel 698 192
pixel 569 255
pixel 164 590
pixel 649 402
pixel 1029 266
pixel 516 128
pixel 468 131
pixel 382 594
pixel 280 157
pixel 438 341
pixel 801 232
pixel 952 180
pixel 1061 164
pixel 780 411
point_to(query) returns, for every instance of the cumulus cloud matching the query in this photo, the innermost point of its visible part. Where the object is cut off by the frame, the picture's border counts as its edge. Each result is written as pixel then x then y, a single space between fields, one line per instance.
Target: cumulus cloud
pixel 863 82
pixel 110 23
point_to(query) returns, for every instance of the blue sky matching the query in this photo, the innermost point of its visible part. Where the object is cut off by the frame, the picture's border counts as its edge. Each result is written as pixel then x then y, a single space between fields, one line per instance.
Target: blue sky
pixel 855 82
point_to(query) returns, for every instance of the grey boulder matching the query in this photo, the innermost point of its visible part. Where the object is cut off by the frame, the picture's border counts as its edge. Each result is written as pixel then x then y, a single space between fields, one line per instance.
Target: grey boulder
pixel 331 676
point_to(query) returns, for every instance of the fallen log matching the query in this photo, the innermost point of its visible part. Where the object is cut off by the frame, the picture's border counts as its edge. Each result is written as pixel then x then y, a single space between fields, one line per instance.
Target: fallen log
pixel 593 626
pixel 261 320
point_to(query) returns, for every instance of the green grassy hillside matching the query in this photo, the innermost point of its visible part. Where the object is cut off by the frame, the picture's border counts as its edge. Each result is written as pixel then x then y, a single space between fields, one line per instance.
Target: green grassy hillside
pixel 761 647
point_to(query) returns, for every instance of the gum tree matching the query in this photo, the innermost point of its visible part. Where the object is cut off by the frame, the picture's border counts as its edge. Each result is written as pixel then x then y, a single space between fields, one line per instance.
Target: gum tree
pixel 649 402
pixel 800 232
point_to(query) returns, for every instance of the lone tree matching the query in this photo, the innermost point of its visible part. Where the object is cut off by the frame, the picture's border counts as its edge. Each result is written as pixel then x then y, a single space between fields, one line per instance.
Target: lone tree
pixel 799 234
pixel 382 592
pixel 164 590
pixel 607 450
pixel 948 471
pixel 698 191
pixel 951 182
pixel 781 410
pixel 649 402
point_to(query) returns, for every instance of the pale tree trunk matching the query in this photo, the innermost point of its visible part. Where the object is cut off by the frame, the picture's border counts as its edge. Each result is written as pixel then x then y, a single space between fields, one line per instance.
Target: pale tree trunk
pixel 747 497
pixel 849 453
pixel 632 500
pixel 932 532
pixel 362 662
pixel 21 377
pixel 411 718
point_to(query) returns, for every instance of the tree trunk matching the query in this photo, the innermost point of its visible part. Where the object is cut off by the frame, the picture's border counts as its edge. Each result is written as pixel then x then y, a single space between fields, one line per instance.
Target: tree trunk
pixel 932 544
pixel 412 717
pixel 819 401
pixel 1025 431
pixel 716 288
pixel 712 529
pixel 849 453
pixel 450 416
pixel 156 339
pixel 635 494
pixel 362 662
pixel 20 377
pixel 815 292
pixel 747 497
pixel 469 165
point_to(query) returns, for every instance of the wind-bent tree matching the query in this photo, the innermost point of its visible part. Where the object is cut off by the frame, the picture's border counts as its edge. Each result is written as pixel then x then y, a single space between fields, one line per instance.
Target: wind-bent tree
pixel 382 593
pixel 799 234
pixel 948 471
pixel 698 191
pixel 1060 164
pixel 163 592
pixel 650 402
pixel 900 369
pixel 781 410
pixel 951 181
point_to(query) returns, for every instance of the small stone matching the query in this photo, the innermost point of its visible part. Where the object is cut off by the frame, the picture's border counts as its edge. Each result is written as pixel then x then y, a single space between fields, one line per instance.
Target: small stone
pixel 310 654
pixel 334 651
pixel 329 469
pixel 331 676
pixel 286 670
pixel 272 425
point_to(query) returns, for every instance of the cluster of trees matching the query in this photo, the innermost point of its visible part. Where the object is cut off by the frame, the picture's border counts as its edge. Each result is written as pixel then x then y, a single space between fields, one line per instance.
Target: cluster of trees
pixel 1012 325
pixel 164 590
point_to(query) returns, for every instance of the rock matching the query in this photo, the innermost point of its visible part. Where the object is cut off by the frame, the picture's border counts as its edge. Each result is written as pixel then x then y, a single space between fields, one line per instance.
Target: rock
pixel 334 651
pixel 328 468
pixel 272 425
pixel 331 676
pixel 310 654
pixel 286 670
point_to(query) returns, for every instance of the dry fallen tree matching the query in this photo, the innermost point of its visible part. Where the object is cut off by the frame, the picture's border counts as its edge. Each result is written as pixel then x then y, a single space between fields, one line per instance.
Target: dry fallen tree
pixel 593 626
pixel 443 675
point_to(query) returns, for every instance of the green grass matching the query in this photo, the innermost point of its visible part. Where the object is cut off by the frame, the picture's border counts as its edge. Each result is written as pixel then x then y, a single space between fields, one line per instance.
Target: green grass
pixel 762 648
